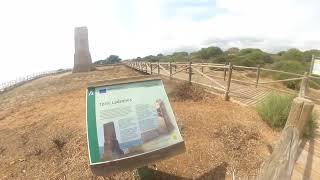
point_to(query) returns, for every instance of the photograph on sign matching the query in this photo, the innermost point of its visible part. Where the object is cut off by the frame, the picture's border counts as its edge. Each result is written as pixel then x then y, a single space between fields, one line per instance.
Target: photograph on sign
pixel 129 119
pixel 316 67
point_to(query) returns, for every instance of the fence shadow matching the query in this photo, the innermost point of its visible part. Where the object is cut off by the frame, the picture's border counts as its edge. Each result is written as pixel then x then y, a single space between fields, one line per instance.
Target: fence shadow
pixel 218 173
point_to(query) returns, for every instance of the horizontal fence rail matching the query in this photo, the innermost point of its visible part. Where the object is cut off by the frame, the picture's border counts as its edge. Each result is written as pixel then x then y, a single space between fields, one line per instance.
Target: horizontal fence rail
pixel 19 81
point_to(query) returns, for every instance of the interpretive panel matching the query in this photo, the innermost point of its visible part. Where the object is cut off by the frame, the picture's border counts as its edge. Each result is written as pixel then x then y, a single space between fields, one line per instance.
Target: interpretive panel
pixel 316 67
pixel 128 118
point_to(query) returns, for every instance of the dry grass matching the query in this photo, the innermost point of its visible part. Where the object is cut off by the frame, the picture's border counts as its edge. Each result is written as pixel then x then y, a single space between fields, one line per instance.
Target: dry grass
pixel 59 142
pixel 187 91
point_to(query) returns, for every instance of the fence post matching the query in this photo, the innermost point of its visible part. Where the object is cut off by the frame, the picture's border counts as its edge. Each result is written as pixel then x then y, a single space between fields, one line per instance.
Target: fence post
pixel 304 85
pixel 226 95
pixel 201 67
pixel 258 76
pixel 225 71
pixel 175 67
pixel 158 67
pixel 150 67
pixel 170 68
pixel 190 72
pixel 146 67
pixel 281 162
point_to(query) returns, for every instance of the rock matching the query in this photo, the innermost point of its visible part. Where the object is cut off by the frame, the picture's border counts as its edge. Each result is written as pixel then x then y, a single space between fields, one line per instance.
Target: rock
pixel 21 160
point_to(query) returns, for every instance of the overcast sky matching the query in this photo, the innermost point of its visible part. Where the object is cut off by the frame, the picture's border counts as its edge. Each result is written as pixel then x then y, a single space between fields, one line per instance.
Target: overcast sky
pixel 37 35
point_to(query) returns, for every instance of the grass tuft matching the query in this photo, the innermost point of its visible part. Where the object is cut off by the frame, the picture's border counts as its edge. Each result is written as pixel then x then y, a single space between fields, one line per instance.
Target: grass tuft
pixel 275 108
pixel 59 141
pixel 188 91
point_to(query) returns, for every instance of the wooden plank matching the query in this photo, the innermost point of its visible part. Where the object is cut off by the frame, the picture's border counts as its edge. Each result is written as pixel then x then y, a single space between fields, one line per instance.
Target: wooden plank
pixel 283 80
pixel 212 80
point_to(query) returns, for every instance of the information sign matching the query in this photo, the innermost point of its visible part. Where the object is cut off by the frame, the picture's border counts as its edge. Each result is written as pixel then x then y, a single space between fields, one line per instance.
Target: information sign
pixel 316 67
pixel 130 123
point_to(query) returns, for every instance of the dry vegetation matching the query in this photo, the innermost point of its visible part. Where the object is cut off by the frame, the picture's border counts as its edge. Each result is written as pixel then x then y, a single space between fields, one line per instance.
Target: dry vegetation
pixel 43 133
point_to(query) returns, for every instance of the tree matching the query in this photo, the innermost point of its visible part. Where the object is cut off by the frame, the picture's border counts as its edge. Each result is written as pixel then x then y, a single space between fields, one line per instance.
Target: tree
pixel 248 50
pixel 307 55
pixel 113 59
pixel 259 57
pixel 233 51
pixel 180 54
pixel 292 54
pixel 206 53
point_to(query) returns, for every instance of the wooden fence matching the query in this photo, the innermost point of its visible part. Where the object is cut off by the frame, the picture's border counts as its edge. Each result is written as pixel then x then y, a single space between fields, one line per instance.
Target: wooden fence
pixel 228 73
pixel 19 81
pixel 280 165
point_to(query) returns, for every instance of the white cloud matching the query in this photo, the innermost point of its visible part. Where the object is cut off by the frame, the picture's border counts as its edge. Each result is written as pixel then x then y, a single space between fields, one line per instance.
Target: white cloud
pixel 37 35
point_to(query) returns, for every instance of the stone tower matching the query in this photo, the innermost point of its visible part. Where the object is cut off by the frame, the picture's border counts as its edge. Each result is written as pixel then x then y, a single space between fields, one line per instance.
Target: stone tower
pixel 82 57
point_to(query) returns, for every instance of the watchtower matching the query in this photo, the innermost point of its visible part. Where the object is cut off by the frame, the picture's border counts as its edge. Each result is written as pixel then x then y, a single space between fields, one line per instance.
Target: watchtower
pixel 82 57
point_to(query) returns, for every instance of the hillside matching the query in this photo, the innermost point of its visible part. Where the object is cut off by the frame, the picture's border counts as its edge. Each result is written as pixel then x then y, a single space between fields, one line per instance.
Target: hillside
pixel 43 131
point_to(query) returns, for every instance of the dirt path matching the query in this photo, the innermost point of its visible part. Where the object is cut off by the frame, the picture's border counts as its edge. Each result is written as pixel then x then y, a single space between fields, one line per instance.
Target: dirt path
pixel 43 133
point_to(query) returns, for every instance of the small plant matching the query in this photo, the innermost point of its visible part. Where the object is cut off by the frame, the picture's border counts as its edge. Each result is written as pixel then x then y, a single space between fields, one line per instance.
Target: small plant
pixel 188 91
pixel 59 141
pixel 37 151
pixel 2 149
pixel 275 108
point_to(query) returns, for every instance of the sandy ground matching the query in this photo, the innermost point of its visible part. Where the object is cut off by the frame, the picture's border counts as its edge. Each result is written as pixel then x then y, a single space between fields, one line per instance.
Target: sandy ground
pixel 43 133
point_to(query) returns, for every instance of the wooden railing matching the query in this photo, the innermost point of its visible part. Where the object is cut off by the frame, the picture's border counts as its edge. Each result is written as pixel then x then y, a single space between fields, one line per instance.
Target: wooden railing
pixel 19 81
pixel 229 73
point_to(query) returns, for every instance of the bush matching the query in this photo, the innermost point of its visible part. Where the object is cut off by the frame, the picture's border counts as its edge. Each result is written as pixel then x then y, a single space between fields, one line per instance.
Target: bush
pixel 275 108
pixel 206 53
pixel 188 91
pixel 289 66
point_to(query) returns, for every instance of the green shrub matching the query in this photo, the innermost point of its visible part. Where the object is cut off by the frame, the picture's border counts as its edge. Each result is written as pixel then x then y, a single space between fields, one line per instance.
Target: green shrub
pixel 274 110
pixel 289 66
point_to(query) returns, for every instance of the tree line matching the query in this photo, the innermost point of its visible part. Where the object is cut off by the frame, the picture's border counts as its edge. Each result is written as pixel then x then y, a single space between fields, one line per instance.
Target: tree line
pixel 292 60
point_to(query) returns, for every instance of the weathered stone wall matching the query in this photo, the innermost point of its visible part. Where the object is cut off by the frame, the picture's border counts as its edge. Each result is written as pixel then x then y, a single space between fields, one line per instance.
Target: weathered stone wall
pixel 82 57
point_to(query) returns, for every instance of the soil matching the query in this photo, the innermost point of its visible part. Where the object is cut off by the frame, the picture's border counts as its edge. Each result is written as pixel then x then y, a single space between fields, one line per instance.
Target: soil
pixel 43 132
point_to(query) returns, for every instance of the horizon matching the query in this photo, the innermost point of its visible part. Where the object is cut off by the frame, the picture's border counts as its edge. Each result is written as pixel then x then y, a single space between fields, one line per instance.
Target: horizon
pixel 37 36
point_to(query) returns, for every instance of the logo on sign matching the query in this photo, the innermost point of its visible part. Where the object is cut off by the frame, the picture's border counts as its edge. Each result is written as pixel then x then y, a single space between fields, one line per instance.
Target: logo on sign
pixel 91 93
pixel 103 91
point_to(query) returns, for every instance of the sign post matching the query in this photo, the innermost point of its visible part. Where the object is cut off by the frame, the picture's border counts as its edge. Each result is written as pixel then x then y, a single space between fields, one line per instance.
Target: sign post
pixel 130 124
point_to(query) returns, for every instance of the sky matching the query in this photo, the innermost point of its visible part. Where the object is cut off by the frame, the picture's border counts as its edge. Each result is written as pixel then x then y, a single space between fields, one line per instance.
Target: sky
pixel 38 35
